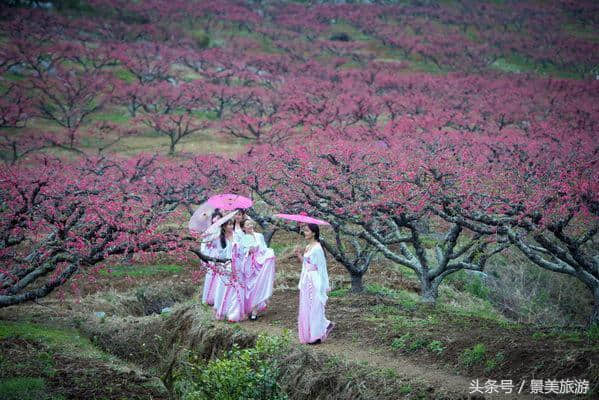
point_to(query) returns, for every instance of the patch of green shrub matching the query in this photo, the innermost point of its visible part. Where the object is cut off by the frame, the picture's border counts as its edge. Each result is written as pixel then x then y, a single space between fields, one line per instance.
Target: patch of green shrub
pixel 409 342
pixel 240 374
pixel 22 389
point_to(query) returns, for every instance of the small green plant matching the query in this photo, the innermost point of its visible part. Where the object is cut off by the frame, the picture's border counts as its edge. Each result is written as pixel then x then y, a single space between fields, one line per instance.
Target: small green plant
pixel 592 332
pixel 436 346
pixel 400 342
pixel 409 342
pixel 383 309
pixel 340 292
pixel 390 373
pixel 405 389
pixel 473 356
pixel 375 288
pixel 539 336
pixel 417 343
pixel 492 363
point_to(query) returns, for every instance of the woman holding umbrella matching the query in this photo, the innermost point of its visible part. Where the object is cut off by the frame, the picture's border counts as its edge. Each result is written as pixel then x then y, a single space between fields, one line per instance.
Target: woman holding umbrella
pixel 313 327
pixel 229 297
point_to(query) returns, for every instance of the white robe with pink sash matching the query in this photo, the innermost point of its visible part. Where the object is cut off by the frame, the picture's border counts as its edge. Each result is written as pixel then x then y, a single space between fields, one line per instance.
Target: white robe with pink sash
pixel 259 273
pixel 313 286
pixel 229 297
pixel 211 247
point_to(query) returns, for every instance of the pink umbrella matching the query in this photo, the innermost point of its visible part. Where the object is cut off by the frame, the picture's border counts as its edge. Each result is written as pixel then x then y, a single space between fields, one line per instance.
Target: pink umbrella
pixel 201 218
pixel 302 218
pixel 220 221
pixel 229 201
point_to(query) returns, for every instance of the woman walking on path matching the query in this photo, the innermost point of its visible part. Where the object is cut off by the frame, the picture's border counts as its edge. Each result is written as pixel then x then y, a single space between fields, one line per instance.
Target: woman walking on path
pixel 313 327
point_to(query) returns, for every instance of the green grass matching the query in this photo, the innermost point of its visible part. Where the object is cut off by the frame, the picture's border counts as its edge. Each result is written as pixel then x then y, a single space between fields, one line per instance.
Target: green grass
pixel 519 64
pixel 138 271
pixel 278 247
pixel 24 388
pixel 124 75
pixel 469 283
pixel 492 363
pixel 436 346
pixel 592 333
pixel 340 292
pixel 121 116
pixel 405 389
pixel 205 115
pixel 582 32
pixel 51 336
pixel 67 340
pixel 409 342
pixel 343 27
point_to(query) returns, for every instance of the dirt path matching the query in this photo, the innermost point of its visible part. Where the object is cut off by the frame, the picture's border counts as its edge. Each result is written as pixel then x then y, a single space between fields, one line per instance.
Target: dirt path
pixel 281 316
pixel 453 386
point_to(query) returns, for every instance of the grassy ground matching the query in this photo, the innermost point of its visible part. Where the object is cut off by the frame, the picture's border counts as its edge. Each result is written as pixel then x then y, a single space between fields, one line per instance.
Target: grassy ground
pixel 39 361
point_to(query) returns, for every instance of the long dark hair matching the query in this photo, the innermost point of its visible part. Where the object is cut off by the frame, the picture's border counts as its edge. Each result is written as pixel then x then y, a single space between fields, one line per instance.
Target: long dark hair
pixel 315 230
pixel 216 213
pixel 223 238
pixel 242 212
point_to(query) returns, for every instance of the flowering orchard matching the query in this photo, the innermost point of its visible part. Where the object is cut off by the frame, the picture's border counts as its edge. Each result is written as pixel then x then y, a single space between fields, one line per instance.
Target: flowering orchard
pixel 403 125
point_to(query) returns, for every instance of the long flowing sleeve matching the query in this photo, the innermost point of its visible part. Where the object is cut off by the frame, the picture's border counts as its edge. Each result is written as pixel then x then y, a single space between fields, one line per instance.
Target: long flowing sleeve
pixel 315 264
pixel 210 245
pixel 321 261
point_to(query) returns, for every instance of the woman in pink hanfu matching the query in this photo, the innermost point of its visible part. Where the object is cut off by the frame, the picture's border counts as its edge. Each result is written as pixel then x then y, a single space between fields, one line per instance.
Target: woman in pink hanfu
pixel 259 270
pixel 211 247
pixel 229 296
pixel 313 327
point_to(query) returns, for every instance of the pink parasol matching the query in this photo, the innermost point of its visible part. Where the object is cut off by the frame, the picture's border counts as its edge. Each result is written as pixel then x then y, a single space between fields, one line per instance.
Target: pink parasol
pixel 220 221
pixel 302 218
pixel 230 201
pixel 201 218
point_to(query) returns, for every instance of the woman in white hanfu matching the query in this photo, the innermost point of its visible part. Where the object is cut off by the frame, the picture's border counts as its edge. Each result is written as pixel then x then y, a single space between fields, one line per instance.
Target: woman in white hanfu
pixel 313 327
pixel 259 270
pixel 238 221
pixel 211 247
pixel 229 296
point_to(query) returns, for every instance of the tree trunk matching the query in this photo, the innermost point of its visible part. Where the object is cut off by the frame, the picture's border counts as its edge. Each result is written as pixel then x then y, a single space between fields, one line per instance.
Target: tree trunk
pixel 356 283
pixel 268 236
pixel 594 319
pixel 429 291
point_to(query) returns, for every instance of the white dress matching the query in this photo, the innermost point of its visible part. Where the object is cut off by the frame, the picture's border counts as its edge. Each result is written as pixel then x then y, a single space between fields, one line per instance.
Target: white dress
pixel 229 297
pixel 259 271
pixel 211 247
pixel 313 286
pixel 222 276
